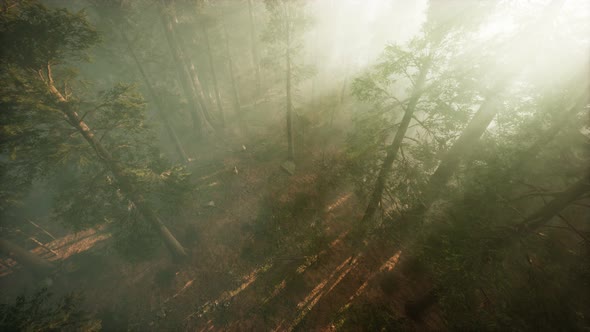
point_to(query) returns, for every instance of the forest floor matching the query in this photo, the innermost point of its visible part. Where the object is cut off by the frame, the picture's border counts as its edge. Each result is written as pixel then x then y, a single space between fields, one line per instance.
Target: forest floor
pixel 268 251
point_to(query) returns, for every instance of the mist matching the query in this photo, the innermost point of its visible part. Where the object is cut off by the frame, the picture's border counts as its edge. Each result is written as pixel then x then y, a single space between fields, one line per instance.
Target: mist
pixel 308 165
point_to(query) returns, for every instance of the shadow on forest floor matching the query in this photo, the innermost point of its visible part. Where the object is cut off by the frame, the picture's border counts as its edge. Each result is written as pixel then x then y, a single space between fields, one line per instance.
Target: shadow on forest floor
pixel 268 252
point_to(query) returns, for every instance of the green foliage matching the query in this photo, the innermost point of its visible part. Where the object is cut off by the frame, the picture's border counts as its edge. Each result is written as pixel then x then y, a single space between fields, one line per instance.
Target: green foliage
pixel 33 36
pixel 466 239
pixel 39 312
pixel 487 278
pixel 438 116
pixel 283 34
pixel 43 144
pixel 287 18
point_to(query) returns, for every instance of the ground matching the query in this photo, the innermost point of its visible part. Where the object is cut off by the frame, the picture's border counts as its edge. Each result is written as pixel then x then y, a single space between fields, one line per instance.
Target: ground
pixel 268 251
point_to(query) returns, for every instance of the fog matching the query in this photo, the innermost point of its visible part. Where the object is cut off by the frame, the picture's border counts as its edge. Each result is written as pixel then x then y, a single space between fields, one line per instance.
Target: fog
pixel 294 165
pixel 350 35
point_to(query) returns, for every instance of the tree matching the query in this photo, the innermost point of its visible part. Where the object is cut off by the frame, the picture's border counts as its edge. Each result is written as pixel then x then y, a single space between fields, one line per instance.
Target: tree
pixel 490 104
pixel 205 30
pixel 254 47
pixel 505 229
pixel 187 74
pixel 159 108
pixel 560 202
pixel 120 25
pixel 417 68
pixel 283 32
pixel 35 106
pixel 421 69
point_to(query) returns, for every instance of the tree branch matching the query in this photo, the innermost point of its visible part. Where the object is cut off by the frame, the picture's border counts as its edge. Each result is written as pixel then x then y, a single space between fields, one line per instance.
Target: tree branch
pixel 409 77
pixel 412 139
pixel 573 229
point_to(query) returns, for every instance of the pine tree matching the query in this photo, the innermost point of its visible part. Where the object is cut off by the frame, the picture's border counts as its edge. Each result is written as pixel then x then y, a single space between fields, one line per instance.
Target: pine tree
pixel 116 151
pixel 283 33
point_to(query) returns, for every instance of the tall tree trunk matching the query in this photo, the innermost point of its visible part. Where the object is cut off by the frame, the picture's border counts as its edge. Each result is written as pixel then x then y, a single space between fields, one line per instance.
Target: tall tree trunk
pixel 290 137
pixel 159 109
pixel 253 40
pixel 26 258
pixel 201 96
pixel 124 181
pixel 186 81
pixel 234 83
pixel 214 76
pixel 464 144
pixel 393 149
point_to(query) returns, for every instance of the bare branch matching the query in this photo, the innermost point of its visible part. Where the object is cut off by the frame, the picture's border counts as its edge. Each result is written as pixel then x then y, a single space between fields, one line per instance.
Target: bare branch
pixel 412 139
pixel 573 229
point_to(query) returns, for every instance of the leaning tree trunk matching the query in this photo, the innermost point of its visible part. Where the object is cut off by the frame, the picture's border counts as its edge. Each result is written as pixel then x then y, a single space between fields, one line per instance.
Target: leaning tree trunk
pixel 487 111
pixel 214 76
pixel 254 48
pixel 125 182
pixel 290 136
pixel 464 144
pixel 202 97
pixel 198 88
pixel 159 109
pixel 184 76
pixel 393 149
pixel 119 173
pixel 26 258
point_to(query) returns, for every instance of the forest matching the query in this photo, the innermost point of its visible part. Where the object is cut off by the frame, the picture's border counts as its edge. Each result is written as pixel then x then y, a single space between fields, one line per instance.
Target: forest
pixel 294 165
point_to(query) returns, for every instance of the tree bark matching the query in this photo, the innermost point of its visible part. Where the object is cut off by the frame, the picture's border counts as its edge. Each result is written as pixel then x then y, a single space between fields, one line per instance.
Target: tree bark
pixel 214 76
pixel 159 109
pixel 394 147
pixel 26 258
pixel 255 60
